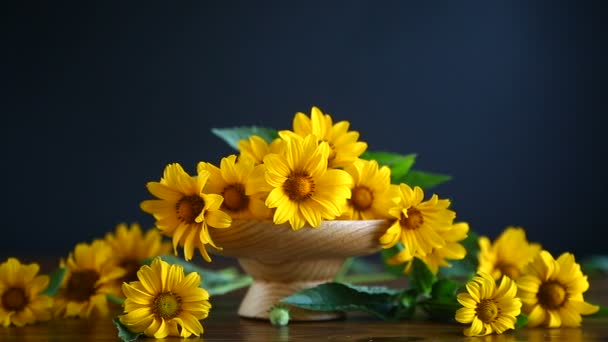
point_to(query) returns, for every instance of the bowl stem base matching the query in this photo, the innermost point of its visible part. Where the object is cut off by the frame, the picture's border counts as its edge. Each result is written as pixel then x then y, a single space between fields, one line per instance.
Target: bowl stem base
pixel 273 282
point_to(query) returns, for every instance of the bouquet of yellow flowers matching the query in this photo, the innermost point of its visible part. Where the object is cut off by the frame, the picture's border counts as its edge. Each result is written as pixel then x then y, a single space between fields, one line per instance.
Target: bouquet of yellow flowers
pixel 317 171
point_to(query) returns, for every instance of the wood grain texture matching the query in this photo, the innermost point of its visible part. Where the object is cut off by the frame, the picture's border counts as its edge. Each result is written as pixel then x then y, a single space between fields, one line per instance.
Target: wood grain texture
pixel 283 261
pixel 272 243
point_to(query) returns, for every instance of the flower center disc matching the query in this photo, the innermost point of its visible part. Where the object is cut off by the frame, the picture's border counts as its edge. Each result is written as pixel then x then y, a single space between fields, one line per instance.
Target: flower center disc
pixel 551 295
pixel 299 187
pixel 509 270
pixel 487 311
pixel 167 305
pixel 362 198
pixel 81 285
pixel 14 299
pixel 235 198
pixel 188 208
pixel 414 219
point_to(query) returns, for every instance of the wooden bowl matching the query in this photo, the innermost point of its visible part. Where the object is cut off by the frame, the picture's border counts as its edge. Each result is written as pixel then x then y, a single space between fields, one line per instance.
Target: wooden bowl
pixel 282 261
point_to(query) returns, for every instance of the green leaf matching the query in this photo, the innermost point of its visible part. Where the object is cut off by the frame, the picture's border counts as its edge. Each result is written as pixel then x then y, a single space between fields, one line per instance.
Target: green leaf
pixel 399 164
pixel 425 180
pixel 235 284
pixel 595 264
pixel 467 267
pixel 369 277
pixel 235 134
pixel 602 312
pixel 443 310
pixel 56 279
pixel 445 288
pixel 382 290
pixel 359 270
pixel 114 299
pixel 376 300
pixel 421 277
pixel 386 254
pixel 408 300
pixel 344 269
pixel 124 333
pixel 364 264
pixel 522 320
pixel 442 304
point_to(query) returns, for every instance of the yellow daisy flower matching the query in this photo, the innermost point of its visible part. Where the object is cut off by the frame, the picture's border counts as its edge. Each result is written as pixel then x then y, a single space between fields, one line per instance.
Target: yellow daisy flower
pixel 418 224
pixel 91 275
pixel 438 257
pixel 256 148
pixel 236 182
pixel 21 301
pixel 372 193
pixel 488 309
pixel 303 189
pixel 165 302
pixel 184 212
pixel 509 254
pixel 130 247
pixel 345 148
pixel 552 291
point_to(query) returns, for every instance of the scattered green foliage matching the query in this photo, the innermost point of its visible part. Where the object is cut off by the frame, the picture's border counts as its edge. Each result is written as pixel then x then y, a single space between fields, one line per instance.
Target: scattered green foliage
pixel 233 135
pixel 357 270
pixel 379 301
pixel 442 303
pixel 386 254
pixel 425 180
pixel 421 278
pixel 522 320
pixel 595 264
pixel 56 279
pixel 399 164
pixel 114 299
pixel 602 312
pixel 465 268
pixel 123 333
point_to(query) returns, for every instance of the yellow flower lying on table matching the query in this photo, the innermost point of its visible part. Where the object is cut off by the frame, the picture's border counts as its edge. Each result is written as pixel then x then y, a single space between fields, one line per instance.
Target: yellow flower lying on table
pixel 508 255
pixel 165 302
pixel 131 247
pixel 91 275
pixel 552 291
pixel 487 308
pixel 21 300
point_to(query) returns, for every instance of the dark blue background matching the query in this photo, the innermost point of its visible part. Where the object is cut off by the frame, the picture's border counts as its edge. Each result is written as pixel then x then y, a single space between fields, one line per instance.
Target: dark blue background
pixel 507 97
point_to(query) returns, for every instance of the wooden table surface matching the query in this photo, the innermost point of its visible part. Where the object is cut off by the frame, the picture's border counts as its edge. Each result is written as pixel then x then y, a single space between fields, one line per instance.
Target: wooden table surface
pixel 224 324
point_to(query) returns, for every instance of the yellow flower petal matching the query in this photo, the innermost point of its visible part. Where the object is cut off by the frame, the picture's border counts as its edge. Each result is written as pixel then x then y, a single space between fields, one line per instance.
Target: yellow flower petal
pixel 218 219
